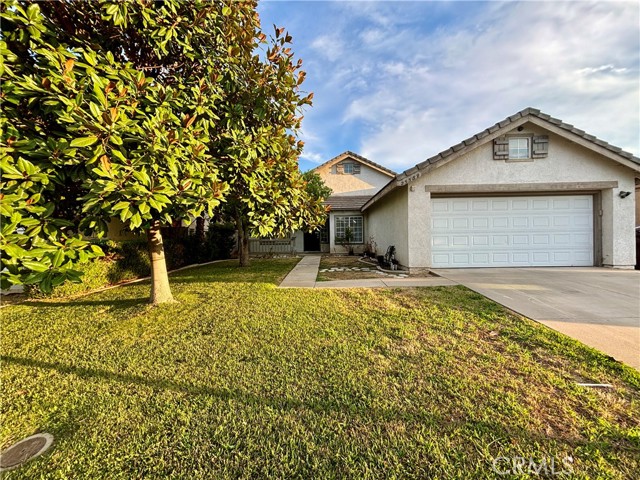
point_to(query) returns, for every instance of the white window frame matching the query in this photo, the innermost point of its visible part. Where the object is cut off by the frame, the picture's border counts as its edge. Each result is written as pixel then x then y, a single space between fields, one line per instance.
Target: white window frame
pixel 519 152
pixel 351 221
pixel 324 233
pixel 350 168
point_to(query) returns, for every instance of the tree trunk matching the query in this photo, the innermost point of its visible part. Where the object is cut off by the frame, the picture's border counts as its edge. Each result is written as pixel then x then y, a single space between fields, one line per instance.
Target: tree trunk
pixel 243 243
pixel 200 229
pixel 160 289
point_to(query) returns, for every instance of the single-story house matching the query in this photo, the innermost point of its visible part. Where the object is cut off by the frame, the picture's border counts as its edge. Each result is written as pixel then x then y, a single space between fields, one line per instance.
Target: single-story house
pixel 529 191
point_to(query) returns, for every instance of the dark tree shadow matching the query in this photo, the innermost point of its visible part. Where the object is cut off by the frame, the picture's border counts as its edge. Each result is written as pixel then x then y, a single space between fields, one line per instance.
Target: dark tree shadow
pixel 117 303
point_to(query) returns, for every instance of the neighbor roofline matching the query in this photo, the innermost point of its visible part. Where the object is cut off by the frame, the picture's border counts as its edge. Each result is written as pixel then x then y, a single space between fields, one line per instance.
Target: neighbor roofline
pixel 359 158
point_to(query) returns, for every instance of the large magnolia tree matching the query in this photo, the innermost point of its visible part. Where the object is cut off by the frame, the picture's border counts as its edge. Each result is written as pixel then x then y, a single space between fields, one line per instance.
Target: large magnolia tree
pixel 112 107
pixel 151 112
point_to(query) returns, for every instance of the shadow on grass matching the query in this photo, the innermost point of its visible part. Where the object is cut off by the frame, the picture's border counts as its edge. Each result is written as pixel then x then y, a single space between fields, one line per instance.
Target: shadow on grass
pixel 118 303
pixel 187 388
pixel 507 438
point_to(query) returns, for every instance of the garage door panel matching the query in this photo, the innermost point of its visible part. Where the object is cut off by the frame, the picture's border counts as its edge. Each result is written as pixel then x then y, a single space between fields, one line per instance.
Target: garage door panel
pixel 481 223
pixel 480 205
pixel 480 240
pixel 500 222
pixel 439 223
pixel 518 231
pixel 460 223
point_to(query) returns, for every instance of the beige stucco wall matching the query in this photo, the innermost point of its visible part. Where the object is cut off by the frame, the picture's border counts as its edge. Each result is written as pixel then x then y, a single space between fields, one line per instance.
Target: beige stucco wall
pixel 566 162
pixel 387 223
pixel 367 182
pixel 298 241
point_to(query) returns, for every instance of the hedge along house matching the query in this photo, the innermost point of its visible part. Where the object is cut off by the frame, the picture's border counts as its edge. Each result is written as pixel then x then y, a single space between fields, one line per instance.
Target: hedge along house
pixel 528 191
pixel 353 180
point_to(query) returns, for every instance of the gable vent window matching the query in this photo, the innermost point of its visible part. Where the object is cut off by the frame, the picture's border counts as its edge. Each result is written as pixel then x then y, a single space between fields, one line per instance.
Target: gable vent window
pixel 520 148
pixel 350 168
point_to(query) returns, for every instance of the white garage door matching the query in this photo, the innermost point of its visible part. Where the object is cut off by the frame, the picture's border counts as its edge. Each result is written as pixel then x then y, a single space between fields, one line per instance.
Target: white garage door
pixel 512 231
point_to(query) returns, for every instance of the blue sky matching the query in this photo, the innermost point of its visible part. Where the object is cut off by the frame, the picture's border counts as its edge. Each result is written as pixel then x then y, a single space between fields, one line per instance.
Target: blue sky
pixel 398 82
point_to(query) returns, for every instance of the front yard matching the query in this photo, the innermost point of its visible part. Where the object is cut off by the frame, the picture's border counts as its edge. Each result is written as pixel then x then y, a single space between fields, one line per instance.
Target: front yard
pixel 243 380
pixel 349 267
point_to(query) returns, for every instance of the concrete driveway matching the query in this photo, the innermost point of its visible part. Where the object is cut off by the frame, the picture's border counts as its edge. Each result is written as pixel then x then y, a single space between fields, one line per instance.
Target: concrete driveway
pixel 597 306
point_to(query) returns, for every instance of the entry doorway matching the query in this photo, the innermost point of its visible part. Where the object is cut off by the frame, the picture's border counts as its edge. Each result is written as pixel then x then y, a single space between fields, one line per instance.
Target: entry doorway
pixel 312 241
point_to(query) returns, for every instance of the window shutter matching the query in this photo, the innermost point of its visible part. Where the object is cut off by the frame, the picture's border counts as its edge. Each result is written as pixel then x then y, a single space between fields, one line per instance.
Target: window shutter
pixel 356 168
pixel 339 168
pixel 540 146
pixel 501 149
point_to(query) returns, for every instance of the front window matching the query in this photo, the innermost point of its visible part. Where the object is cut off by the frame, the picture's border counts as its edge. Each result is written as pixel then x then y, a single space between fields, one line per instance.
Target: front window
pixel 519 148
pixel 355 225
pixel 324 233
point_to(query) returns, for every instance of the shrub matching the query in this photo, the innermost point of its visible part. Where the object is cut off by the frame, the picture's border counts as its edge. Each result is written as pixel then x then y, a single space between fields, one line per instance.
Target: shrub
pixel 220 241
pixel 129 260
pixel 122 261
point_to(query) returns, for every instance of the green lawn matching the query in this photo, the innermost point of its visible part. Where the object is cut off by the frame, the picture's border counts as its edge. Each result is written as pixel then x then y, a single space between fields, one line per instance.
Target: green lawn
pixel 243 380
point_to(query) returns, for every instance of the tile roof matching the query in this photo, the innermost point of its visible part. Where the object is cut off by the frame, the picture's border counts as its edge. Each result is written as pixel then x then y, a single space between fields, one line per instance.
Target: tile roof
pixel 347 202
pixel 360 158
pixel 527 112
pixel 522 116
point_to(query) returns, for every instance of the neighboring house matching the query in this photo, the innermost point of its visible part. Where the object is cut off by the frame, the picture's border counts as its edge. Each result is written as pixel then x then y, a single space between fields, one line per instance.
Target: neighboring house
pixel 528 191
pixel 638 205
pixel 354 180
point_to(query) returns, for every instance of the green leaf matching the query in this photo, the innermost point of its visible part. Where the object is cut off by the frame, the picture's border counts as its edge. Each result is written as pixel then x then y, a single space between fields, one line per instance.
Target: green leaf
pixel 45 284
pixel 35 266
pixel 95 110
pixel 97 90
pixel 33 11
pixel 58 279
pixel 120 206
pixel 74 276
pixel 34 278
pixel 135 220
pixel 14 251
pixel 58 258
pixel 118 154
pixel 84 141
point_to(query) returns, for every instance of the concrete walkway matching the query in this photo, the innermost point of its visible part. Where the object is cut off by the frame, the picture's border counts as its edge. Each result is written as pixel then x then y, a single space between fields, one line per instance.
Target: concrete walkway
pixel 598 306
pixel 305 272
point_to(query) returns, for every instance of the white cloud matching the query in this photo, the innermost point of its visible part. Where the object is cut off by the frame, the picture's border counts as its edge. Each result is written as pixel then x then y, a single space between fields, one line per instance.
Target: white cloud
pixel 576 61
pixel 313 157
pixel 400 81
pixel 329 46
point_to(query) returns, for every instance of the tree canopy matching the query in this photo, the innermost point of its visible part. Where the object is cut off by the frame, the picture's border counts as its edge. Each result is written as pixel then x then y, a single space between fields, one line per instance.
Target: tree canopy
pixel 267 193
pixel 146 111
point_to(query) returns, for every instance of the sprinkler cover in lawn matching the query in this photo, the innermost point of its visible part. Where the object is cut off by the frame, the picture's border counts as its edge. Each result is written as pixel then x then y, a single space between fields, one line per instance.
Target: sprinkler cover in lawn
pixel 25 450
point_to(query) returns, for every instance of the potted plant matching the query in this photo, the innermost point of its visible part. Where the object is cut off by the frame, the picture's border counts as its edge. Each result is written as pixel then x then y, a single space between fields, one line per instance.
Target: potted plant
pixel 370 249
pixel 346 240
